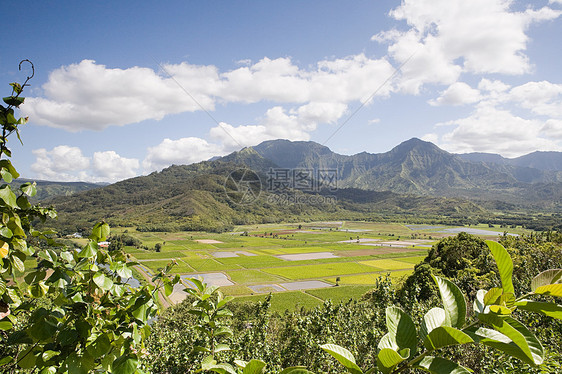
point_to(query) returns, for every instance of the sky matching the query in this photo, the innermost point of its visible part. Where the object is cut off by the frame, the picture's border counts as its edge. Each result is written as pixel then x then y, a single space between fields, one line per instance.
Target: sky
pixel 125 88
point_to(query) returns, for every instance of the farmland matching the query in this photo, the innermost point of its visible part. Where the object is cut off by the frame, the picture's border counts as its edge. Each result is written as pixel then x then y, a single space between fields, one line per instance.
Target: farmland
pixel 301 264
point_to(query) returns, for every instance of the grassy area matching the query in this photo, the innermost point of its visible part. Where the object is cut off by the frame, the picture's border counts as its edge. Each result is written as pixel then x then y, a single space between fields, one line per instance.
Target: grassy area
pixel 361 278
pixel 252 277
pixel 413 260
pixel 388 264
pixel 358 266
pixel 210 264
pixel 251 262
pixel 235 290
pixel 151 255
pixel 341 293
pixel 320 270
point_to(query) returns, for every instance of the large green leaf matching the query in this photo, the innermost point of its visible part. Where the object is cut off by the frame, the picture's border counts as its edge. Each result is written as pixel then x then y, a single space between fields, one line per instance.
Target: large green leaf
pixel 533 352
pixel 295 370
pixel 387 359
pixel 5 325
pixel 7 165
pixel 122 269
pixel 444 336
pixel 505 265
pixel 434 318
pixel 548 309
pixel 550 290
pixel 547 277
pixel 79 364
pixel 103 281
pixel 453 301
pixel 100 346
pixel 126 364
pixel 6 360
pixel 254 367
pixel 100 232
pixel 401 329
pixel 210 364
pixel 8 197
pixel 344 357
pixel 496 339
pixel 438 365
pixel 89 250
pixel 29 188
pixel 493 296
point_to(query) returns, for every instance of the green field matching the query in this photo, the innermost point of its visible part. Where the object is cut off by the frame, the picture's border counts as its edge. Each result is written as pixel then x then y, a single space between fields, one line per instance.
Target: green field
pixel 357 265
pixel 320 270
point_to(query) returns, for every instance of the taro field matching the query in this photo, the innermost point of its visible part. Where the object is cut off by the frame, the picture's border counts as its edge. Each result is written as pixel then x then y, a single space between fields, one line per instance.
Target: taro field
pixel 300 264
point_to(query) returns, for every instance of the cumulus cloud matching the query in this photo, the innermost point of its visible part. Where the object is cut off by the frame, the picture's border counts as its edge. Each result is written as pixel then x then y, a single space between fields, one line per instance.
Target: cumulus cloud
pixel 92 96
pixel 181 151
pixel 553 129
pixel 459 93
pixel 278 123
pixel 62 163
pixel 542 98
pixel 108 166
pixel 447 37
pixel 493 127
pixel 494 130
pixel 65 163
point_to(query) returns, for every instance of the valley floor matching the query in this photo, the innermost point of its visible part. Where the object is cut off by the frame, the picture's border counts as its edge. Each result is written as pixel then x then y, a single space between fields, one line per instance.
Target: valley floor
pixel 301 264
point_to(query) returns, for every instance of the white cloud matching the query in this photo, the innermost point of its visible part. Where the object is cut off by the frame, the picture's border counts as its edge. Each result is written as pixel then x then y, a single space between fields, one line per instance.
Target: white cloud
pixel 181 151
pixel 542 98
pixel 553 129
pixel 108 166
pixel 65 163
pixel 494 130
pixel 92 96
pixel 448 37
pixel 62 163
pixel 459 93
pixel 277 123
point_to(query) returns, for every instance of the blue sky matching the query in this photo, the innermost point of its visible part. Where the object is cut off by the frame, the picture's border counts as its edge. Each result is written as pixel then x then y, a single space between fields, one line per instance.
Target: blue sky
pixel 125 88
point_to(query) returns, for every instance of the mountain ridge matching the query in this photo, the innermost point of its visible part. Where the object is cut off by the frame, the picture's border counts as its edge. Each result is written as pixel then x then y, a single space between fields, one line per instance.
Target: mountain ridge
pixel 415 178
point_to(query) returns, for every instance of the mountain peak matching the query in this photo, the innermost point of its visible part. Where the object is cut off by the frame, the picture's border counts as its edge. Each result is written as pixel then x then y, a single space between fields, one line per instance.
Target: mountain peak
pixel 416 144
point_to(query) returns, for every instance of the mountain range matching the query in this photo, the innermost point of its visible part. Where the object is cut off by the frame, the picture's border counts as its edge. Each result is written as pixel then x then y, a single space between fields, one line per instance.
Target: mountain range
pixel 414 178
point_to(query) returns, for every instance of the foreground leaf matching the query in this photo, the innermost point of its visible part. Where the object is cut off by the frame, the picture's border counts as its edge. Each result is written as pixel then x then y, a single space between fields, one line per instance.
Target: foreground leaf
pixel 548 309
pixel 445 336
pixel 550 290
pixel 295 370
pixel 125 365
pixel 431 320
pixel 387 359
pixel 505 265
pixel 254 367
pixel 547 277
pixel 344 357
pixel 401 329
pixel 438 365
pixel 453 302
pixel 516 333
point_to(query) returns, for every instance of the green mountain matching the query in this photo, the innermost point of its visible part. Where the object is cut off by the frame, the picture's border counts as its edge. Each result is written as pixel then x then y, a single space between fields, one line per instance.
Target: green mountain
pixel 49 189
pixel 551 161
pixel 413 167
pixel 416 179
